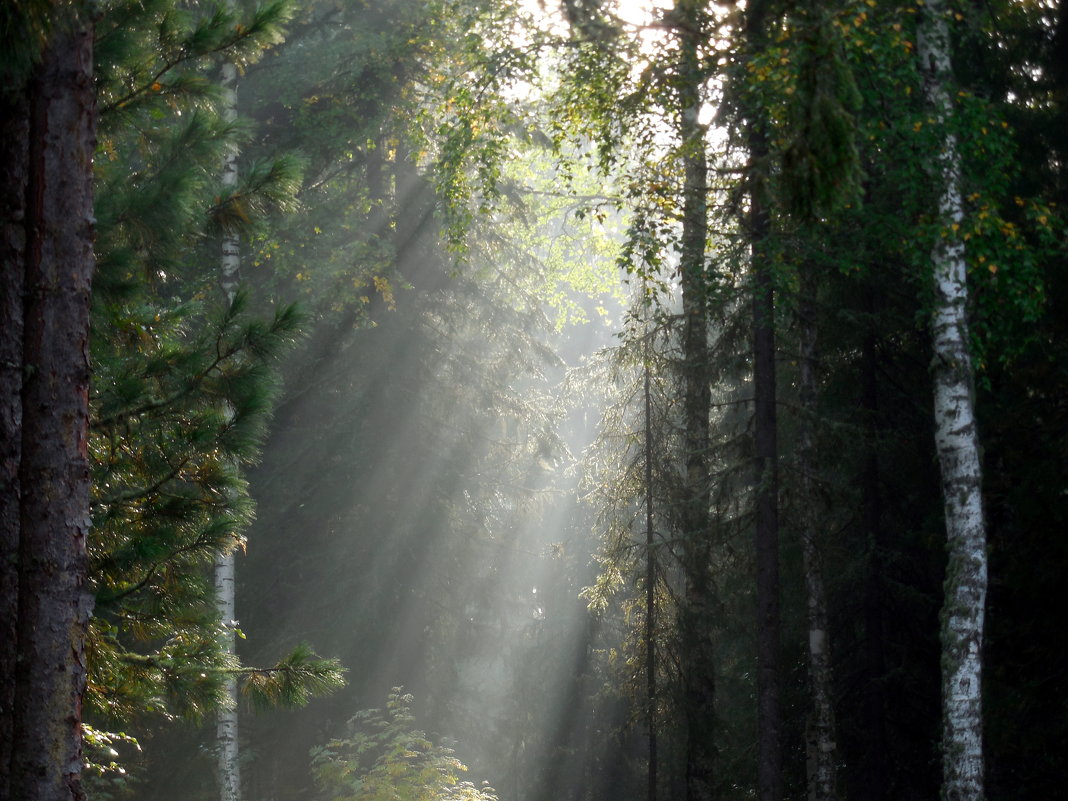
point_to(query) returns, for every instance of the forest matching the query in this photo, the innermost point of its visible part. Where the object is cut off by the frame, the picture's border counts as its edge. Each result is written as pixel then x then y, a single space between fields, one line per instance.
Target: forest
pixel 533 400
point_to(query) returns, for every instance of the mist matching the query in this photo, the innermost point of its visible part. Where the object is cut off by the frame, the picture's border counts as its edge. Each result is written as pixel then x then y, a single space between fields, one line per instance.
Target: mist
pixel 579 400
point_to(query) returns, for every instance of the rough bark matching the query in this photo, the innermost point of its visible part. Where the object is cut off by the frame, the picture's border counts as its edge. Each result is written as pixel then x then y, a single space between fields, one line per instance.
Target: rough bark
pixel 822 745
pixel 957 443
pixel 765 478
pixel 14 139
pixel 53 594
pixel 698 674
pixel 229 766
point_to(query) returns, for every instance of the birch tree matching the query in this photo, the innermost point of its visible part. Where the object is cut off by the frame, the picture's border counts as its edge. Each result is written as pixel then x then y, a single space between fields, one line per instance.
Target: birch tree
pixel 229 767
pixel 957 442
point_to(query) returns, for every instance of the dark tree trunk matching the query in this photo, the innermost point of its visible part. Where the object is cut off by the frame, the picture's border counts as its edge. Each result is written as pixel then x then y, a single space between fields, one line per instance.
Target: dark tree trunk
pixel 53 593
pixel 14 137
pixel 698 663
pixel 766 482
pixel 822 744
pixel 876 774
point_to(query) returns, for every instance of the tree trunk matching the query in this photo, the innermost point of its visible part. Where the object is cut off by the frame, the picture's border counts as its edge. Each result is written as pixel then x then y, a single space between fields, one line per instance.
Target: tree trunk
pixel 876 774
pixel 229 767
pixel 650 574
pixel 14 143
pixel 53 593
pixel 698 674
pixel 957 443
pixel 821 735
pixel 766 481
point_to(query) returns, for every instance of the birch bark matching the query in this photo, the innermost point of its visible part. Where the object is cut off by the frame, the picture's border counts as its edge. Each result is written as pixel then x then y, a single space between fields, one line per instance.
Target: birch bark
pixel 957 443
pixel 229 767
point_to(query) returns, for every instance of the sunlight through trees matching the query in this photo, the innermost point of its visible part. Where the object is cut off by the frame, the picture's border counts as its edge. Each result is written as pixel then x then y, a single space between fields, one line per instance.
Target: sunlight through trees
pixel 655 399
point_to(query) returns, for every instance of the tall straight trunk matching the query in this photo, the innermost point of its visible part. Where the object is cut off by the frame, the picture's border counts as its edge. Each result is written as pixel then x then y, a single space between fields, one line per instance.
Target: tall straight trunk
pixel 650 578
pixel 14 143
pixel 876 773
pixel 54 599
pixel 698 663
pixel 822 745
pixel 957 443
pixel 766 480
pixel 229 767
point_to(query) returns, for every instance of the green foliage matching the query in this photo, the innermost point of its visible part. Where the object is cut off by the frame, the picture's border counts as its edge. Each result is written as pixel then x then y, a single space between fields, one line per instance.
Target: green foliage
pixel 183 384
pixel 25 29
pixel 181 397
pixel 821 162
pixel 100 753
pixel 155 56
pixel 386 757
pixel 295 680
pixel 385 139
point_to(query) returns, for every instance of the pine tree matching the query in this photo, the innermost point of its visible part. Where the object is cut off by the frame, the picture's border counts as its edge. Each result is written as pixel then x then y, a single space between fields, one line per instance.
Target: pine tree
pixel 182 389
pixel 47 271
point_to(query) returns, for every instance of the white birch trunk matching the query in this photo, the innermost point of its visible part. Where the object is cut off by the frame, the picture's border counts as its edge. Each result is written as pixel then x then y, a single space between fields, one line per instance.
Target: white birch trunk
pixel 226 732
pixel 957 441
pixel 231 256
pixel 226 727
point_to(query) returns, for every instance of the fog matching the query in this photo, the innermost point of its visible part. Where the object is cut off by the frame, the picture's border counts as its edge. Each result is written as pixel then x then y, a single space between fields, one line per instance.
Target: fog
pixel 419 518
